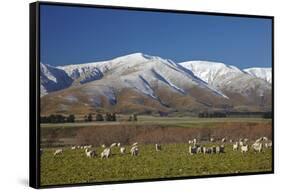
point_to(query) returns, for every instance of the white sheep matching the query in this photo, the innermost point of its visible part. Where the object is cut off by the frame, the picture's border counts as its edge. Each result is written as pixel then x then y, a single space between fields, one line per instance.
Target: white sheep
pixel 241 143
pixel 220 149
pixel 135 144
pixel 113 145
pixel 268 145
pixel 194 141
pixel 259 140
pixel 244 148
pixel 73 147
pixel 190 142
pixel 230 140
pixel 134 151
pixel 199 149
pixel 122 150
pixel 118 144
pixel 257 147
pixel 103 146
pixel 212 139
pixel 57 152
pixel 235 146
pixel 158 147
pixel 90 153
pixel 223 140
pixel 106 153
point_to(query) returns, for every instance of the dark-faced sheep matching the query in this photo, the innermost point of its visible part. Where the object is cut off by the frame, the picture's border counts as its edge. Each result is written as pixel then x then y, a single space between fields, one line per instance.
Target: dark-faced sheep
pixel 90 153
pixel 134 151
pixel 220 149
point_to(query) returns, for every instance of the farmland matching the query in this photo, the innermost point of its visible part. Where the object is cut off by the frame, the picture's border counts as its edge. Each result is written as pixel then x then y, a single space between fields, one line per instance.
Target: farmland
pixel 149 130
pixel 173 161
pixel 165 121
pixel 172 133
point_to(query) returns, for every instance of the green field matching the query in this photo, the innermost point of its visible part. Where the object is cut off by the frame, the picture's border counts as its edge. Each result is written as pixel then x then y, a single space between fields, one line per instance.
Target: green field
pixel 166 121
pixel 173 161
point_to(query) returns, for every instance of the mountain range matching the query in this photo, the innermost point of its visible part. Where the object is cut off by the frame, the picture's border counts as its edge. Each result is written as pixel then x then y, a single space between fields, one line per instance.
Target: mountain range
pixel 149 84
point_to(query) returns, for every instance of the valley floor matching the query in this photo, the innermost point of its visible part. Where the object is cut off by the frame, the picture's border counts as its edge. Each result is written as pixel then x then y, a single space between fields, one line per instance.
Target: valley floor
pixel 173 161
pixel 173 133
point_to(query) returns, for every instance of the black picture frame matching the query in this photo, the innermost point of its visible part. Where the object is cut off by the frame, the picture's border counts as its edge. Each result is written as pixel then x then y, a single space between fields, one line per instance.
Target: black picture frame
pixel 34 91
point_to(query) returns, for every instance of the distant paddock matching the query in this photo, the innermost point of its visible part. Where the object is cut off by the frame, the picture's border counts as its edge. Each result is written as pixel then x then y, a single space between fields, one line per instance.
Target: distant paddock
pixel 147 132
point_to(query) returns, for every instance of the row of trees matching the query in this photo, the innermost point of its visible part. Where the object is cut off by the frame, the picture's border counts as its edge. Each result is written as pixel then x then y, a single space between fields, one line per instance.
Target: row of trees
pixel 100 117
pixel 235 114
pixel 58 119
pixel 71 118
pixel 211 114
pixel 133 117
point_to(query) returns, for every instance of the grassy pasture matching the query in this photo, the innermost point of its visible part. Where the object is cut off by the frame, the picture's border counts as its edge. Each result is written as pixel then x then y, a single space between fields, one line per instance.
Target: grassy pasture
pixel 173 161
pixel 173 132
pixel 165 121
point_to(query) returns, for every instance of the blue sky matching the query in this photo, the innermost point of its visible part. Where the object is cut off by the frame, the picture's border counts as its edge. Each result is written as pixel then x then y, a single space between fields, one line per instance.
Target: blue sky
pixel 72 35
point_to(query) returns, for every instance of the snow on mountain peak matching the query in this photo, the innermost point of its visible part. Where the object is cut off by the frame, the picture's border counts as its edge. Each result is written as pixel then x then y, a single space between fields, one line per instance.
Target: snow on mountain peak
pixel 209 71
pixel 139 57
pixel 263 73
pixel 53 79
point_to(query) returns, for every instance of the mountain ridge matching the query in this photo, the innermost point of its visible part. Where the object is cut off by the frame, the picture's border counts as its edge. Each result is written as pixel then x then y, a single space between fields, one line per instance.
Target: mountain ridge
pixel 151 79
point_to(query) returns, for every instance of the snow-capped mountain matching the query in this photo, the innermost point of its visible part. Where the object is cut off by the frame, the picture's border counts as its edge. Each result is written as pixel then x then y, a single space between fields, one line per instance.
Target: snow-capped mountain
pixel 263 73
pixel 142 83
pixel 146 80
pixel 83 73
pixel 212 72
pixel 226 77
pixel 53 79
pixel 138 71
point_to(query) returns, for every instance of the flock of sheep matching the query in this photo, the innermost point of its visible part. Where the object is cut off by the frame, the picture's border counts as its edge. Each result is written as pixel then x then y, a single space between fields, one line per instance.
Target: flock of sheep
pixel 243 144
pixel 194 147
pixel 106 153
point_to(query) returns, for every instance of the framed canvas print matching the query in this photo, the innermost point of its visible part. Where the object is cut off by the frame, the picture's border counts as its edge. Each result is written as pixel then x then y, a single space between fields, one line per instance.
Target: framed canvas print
pixel 120 94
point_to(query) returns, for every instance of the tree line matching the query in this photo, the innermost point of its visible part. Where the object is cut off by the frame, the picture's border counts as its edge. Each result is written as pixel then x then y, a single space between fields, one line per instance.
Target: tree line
pixel 100 117
pixel 234 114
pixel 57 119
pixel 211 114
